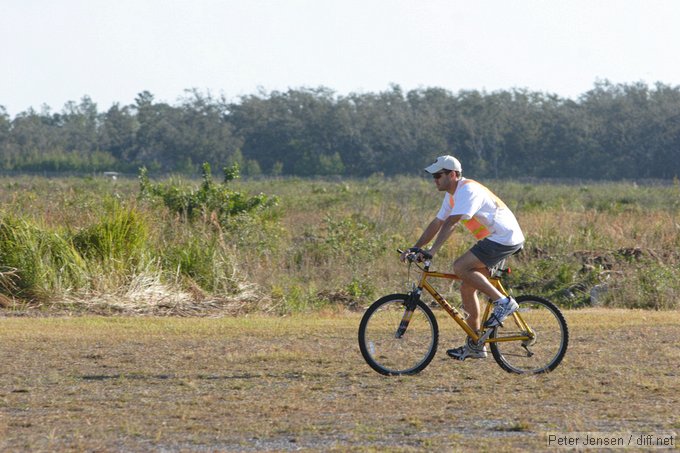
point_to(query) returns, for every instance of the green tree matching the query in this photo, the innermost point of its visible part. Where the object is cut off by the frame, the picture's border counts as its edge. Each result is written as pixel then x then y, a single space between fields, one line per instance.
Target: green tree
pixel 118 132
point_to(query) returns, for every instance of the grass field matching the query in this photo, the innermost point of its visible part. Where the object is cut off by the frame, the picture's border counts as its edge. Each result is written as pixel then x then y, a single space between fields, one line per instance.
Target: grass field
pixel 262 383
pixel 95 246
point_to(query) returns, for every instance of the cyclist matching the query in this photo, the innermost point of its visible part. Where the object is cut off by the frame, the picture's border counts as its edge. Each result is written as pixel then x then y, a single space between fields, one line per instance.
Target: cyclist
pixel 498 234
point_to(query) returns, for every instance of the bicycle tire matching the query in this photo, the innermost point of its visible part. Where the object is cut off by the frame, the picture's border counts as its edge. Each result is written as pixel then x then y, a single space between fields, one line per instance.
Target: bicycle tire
pixel 386 353
pixel 549 346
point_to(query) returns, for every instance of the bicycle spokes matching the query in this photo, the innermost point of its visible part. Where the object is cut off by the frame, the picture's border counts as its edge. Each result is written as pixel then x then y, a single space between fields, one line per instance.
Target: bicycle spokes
pixel 410 348
pixel 535 342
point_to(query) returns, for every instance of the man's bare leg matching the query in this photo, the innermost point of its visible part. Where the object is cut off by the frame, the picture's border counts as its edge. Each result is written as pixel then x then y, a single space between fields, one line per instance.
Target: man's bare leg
pixel 471 305
pixel 473 273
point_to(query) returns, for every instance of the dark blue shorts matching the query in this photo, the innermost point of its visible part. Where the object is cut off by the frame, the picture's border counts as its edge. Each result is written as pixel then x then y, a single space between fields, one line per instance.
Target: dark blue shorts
pixel 491 253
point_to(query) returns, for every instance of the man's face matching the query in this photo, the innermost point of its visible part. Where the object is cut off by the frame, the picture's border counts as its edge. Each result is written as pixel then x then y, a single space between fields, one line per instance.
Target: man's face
pixel 444 180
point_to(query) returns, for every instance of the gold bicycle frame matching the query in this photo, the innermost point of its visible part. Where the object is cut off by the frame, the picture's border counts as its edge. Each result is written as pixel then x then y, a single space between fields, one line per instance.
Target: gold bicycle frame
pixel 455 314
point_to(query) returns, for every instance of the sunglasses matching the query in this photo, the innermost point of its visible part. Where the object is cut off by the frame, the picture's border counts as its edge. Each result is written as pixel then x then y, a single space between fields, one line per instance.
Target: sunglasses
pixel 439 174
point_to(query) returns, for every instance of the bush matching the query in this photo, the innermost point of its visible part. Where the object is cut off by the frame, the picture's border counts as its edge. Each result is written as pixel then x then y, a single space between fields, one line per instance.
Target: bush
pixel 210 201
pixel 651 286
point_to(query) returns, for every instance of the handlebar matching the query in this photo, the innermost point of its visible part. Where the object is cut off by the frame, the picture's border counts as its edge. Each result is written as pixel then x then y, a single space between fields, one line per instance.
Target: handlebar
pixel 413 255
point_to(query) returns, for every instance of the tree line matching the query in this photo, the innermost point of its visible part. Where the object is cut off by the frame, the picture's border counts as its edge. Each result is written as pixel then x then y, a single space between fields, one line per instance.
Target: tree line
pixel 612 131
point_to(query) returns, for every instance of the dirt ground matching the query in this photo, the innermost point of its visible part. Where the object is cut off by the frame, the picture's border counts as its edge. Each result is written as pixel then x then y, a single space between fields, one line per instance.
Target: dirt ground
pixel 299 383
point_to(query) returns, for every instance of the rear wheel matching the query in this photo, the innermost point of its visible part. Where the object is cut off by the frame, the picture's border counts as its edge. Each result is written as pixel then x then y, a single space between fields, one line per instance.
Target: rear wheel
pixel 545 350
pixel 389 351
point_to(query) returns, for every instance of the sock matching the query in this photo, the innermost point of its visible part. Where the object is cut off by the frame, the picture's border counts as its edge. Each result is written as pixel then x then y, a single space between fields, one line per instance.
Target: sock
pixel 503 300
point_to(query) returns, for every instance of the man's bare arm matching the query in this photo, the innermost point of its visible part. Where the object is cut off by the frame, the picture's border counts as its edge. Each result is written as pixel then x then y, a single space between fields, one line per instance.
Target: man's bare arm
pixel 445 232
pixel 429 233
pixel 425 238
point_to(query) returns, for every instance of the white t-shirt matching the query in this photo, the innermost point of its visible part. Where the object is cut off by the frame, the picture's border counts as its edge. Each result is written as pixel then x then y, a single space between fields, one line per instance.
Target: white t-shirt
pixel 473 200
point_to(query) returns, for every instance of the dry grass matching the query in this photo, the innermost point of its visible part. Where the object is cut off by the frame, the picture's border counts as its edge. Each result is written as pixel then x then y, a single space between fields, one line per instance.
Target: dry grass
pixel 277 384
pixel 336 239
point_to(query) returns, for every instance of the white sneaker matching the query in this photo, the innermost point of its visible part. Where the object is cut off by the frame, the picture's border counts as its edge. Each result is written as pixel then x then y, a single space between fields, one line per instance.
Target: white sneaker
pixel 468 350
pixel 503 309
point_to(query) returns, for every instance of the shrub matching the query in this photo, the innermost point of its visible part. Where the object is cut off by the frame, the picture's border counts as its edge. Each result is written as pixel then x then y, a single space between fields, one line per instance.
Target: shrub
pixel 209 201
pixel 650 286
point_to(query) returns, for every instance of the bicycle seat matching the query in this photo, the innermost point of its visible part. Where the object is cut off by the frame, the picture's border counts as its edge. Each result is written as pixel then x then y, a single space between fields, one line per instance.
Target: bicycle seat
pixel 499 269
pixel 502 268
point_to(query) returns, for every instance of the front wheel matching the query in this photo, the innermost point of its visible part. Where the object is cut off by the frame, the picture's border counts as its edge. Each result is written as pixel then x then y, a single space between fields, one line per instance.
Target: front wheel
pixel 544 322
pixel 387 347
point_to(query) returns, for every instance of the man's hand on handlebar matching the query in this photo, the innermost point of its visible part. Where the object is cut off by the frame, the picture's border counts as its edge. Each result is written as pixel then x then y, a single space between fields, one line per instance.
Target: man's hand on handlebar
pixel 415 254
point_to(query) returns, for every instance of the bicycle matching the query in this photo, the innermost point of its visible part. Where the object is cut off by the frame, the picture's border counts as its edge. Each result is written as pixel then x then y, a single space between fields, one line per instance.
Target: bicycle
pixel 398 334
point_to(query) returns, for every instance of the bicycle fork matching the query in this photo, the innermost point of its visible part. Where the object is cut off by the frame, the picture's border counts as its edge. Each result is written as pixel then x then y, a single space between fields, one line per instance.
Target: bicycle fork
pixel 414 296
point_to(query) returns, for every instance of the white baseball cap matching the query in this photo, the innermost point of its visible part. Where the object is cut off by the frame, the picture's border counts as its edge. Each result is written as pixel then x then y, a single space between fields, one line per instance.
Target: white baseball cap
pixel 444 163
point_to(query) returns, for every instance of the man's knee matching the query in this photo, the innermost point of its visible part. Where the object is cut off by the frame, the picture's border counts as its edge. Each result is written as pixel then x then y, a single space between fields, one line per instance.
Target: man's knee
pixel 463 267
pixel 468 263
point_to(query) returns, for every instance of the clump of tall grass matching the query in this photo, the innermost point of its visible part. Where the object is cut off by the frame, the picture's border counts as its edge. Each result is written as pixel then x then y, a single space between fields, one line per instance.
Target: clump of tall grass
pixel 43 263
pixel 53 262
pixel 204 260
pixel 117 242
pixel 119 253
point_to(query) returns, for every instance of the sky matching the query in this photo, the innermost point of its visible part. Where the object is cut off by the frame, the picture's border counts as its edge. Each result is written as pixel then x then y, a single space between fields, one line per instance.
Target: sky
pixel 55 51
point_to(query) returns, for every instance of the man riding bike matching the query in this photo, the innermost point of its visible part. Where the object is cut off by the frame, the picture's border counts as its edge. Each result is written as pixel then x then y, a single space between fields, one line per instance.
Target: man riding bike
pixel 497 231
